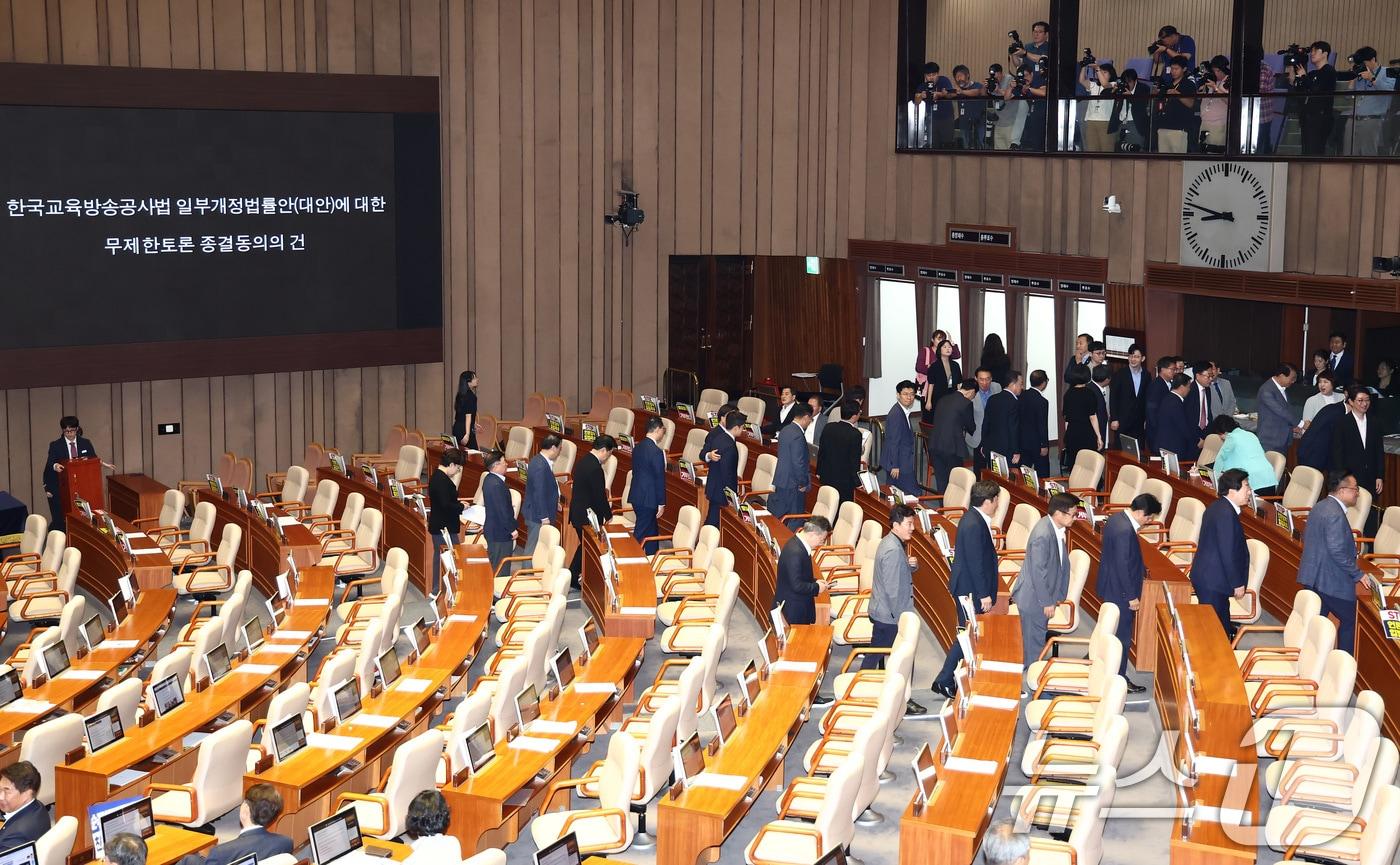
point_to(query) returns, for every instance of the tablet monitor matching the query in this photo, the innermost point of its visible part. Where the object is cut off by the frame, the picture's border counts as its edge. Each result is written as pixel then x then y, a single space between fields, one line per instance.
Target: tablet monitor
pixel 837 856
pixel 749 684
pixel 1131 446
pixel 588 633
pixel 25 854
pixel 477 749
pixel 54 659
pixel 925 774
pixel 527 705
pixel 769 648
pixel 561 852
pixel 10 687
pixel 688 759
pixel 253 633
pixel 389 669
pixel 102 729
pixel 92 631
pixel 780 625
pixel 167 695
pixel 346 701
pixel 288 737
pixel 563 664
pixel 216 662
pixel 335 836
pixel 134 819
pixel 725 721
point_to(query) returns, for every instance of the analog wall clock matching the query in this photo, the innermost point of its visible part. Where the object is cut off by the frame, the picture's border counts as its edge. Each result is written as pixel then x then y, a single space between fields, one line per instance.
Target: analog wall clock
pixel 1232 214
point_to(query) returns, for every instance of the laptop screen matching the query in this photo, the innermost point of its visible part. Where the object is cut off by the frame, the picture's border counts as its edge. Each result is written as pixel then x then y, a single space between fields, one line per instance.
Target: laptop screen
pixel 749 684
pixel 347 700
pixel 335 836
pixel 10 688
pixel 689 758
pixel 480 747
pixel 837 856
pixel 22 855
pixel 55 658
pixel 133 819
pixel 92 631
pixel 563 668
pixel 167 694
pixel 216 661
pixel 253 632
pixel 288 737
pixel 527 703
pixel 119 606
pixel 389 670
pixel 724 718
pixel 103 729
pixel 561 852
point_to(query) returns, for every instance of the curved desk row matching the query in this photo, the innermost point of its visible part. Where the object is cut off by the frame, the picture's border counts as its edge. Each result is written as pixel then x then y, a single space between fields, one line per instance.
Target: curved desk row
pixel 403 526
pixel 262 552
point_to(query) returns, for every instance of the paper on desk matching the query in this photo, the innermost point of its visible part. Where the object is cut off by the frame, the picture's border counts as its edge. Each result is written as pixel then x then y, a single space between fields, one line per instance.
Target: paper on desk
pixel 331 743
pixel 1215 765
pixel 987 702
pixel 530 743
pixel 594 687
pixel 966 764
pixel 1223 816
pixel 413 686
pixel 279 648
pixel 781 666
pixel 71 673
pixel 368 720
pixel 716 779
pixel 287 521
pixel 256 669
pixel 118 644
pixel 619 534
pixel 461 617
pixel 291 635
pixel 313 602
pixel 555 728
pixel 638 611
pixel 135 535
pixel 1002 667
pixel 634 560
pixel 28 706
pixel 147 551
pixel 475 514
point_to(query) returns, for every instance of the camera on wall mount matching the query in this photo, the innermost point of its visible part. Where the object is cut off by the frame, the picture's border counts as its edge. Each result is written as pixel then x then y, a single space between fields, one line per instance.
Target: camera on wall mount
pixel 628 214
pixel 1383 264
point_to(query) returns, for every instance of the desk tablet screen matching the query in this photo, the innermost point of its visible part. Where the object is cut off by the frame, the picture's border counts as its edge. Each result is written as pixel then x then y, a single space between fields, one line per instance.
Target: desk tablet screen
pixel 134 819
pixel 527 703
pixel 119 606
pixel 334 837
pixel 217 663
pixel 688 757
pixel 420 636
pixel 589 632
pixel 55 659
pixel 769 648
pixel 10 688
pixel 749 684
pixel 253 632
pixel 103 729
pixel 480 747
pixel 561 852
pixel 389 670
pixel 25 855
pixel 837 856
pixel 724 718
pixel 167 694
pixel 250 859
pixel 925 773
pixel 563 668
pixel 288 737
pixel 347 700
pixel 92 631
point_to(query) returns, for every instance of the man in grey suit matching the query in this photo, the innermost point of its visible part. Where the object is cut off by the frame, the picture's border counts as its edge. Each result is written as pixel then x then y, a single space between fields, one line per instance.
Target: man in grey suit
pixel 793 475
pixel 1328 566
pixel 985 389
pixel 261 807
pixel 1044 578
pixel 1222 393
pixel 1277 420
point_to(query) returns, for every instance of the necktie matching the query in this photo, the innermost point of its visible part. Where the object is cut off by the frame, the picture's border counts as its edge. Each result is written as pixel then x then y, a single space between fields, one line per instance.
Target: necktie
pixel 1203 408
pixel 1216 385
pixel 1334 361
pixel 72 450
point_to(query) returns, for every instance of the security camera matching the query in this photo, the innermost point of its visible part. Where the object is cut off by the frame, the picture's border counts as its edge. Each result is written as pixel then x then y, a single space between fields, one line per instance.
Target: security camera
pixel 628 214
pixel 1390 265
pixel 1111 205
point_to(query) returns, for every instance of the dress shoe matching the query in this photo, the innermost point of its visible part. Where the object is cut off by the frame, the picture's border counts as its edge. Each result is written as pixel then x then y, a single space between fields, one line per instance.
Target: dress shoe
pixel 822 700
pixel 1135 688
pixel 912 709
pixel 946 690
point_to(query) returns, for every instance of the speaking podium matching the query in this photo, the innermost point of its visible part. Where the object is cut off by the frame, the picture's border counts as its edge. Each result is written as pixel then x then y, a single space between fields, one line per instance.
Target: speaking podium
pixel 81 478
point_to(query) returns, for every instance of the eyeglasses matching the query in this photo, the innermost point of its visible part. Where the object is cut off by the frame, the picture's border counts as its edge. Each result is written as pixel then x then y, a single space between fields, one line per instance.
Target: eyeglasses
pixel 1352 487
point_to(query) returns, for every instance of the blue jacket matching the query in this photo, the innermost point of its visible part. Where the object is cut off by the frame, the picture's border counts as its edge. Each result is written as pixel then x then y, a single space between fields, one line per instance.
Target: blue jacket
pixel 974 561
pixel 797 589
pixel 1001 426
pixel 1170 430
pixel 27 825
pixel 1329 565
pixel 500 515
pixel 1121 570
pixel 1156 388
pixel 257 841
pixel 793 475
pixel 648 476
pixel 541 491
pixel 1315 447
pixel 1221 564
pixel 724 473
pixel 899 449
pixel 1241 450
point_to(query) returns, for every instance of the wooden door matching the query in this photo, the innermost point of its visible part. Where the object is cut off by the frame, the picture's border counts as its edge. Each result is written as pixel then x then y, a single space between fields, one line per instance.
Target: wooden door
pixel 711 319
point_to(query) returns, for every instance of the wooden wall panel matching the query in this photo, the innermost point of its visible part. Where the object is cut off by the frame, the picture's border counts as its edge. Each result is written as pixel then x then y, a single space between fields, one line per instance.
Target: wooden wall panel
pixel 1111 34
pixel 1345 24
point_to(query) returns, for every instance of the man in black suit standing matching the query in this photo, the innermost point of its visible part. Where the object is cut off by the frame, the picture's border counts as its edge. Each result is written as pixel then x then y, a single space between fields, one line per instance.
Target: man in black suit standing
pixel 797 588
pixel 446 508
pixel 1035 424
pixel 500 528
pixel 953 421
pixel 1357 448
pixel 721 454
pixel 69 446
pixel 590 493
pixel 1121 571
pixel 648 494
pixel 1220 567
pixel 1157 390
pixel 1127 397
pixel 260 809
pixel 787 400
pixel 1001 423
pixel 1340 359
pixel 1198 408
pixel 838 457
pixel 974 569
pixel 26 819
pixel 1173 428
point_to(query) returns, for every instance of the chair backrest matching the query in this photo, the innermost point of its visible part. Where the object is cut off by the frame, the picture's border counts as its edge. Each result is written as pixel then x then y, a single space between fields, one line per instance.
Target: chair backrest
pixel 753 408
pixel 242 474
pixel 618 777
pixel 1186 523
pixel 694 442
pixel 711 398
pixel 620 422
pixel 655 755
pixel 205 639
pixel 36 526
pixel 229 541
pixel 958 490
pixel 687 530
pixel 710 653
pixel 354 511
pixel 315 456
pixel 1278 462
pixel 669 435
pixel 1103 669
pixel 1380 838
pixel 71 617
pixel 521 442
pixel 764 467
pixel 223 467
pixel 1318 640
pixel 602 403
pixel 46 746
pixel 511 681
pixel 623 398
pixel 1304 487
pixel 294 487
pixel 835 823
pixel 1078 575
pixel 367 654
pixel 55 845
pixel 1127 485
pixel 412 458
pixel 1104 628
pixel 868 743
pixel 414 770
pixel 218 771
pixel 705 545
pixel 743 450
pixel 1338 678
pixel 849 518
pixel 1163 492
pixel 827 503
pixel 871 533
pixel 688 688
pixel 534 410
pixel 564 463
pixel 1258 564
pixel 125 696
pixel 1023 520
pixel 488 430
pixel 1306 606
pixel 202 523
pixel 68 570
pixel 556 405
pixel 1388 535
pixel 288 702
pixel 338 667
pixel 609 472
pixel 394 439
pixel 367 533
pixel 32 667
pixel 998 518
pixel 176 663
pixel 1358 512
pixel 172 508
pixel 1087 472
pixel 1210 447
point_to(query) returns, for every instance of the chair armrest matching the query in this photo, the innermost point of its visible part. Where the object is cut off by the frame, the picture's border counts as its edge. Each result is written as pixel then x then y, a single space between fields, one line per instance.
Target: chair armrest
pixel 861 652
pixel 681 577
pixel 356 552
pixel 1278 653
pixel 366 581
pixel 1250 629
pixel 507 560
pixel 369 798
pixel 157 787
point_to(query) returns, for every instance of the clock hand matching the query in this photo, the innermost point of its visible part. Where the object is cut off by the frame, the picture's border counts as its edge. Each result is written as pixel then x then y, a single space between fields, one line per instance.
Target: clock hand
pixel 1227 216
pixel 1194 206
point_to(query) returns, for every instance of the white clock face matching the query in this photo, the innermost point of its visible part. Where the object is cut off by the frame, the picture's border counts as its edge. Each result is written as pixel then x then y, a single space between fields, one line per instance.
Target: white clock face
pixel 1225 216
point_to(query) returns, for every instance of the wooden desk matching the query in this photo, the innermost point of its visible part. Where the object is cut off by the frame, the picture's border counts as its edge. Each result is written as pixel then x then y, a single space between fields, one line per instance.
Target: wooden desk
pixel 104 559
pixel 404 527
pixel 134 497
pixel 262 552
pixel 312 780
pixel 1225 724
pixel 635 615
pixel 679 493
pixel 244 694
pixel 756 565
pixel 949 829
pixel 481 817
pixel 169 845
pixel 694 824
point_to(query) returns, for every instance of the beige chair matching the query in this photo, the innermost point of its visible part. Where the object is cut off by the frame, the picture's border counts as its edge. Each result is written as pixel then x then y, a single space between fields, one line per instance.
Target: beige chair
pixel 598 409
pixel 42 595
pixel 1077 715
pixel 508 681
pixel 620 422
pixel 231 609
pixel 241 477
pixel 174 663
pixel 607 828
pixel 855 683
pixel 1385 548
pixel 1179 540
pixel 1064 757
pixel 696 684
pixel 533 416
pixel 684 573
pixel 688 635
pixel 217 785
pixel 698 592
pixel 336 668
pixel 46 746
pixel 394 439
pixel 198 540
pixel 472 712
pixel 797 842
pixel 753 408
pixel 172 511
pixel 1373 843
pixel 841 568
pixel 363 556
pixel 957 492
pixel 408 470
pixel 845 531
pixel 222 469
pixel 382 815
pixel 374 591
pixel 1306 607
pixel 1358 512
pixel 1064 674
pixel 125 697
pixel 55 845
pixel 287 703
pixel 292 492
pixel 32 543
pixel 563 466
pixel 1336 830
pixel 1085 475
pixel 314 458
pixel 1349 745
pixel 339 534
pixel 694 443
pixel 845 719
pixel 1087 817
pixel 1126 487
pixel 1305 486
pixel 213 572
pixel 764 467
pixel 1248 609
pixel 655 739
pixel 1264 677
pixel 556 405
pixel 668 436
pixel 851 625
pixel 1162 490
pixel 520 443
pixel 1278 462
pixel 1210 448
pixel 711 398
pixel 543 564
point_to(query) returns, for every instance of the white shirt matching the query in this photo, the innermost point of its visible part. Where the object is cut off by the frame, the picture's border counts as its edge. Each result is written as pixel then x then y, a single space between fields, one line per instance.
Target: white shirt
pixel 1232 504
pixel 1060 540
pixel 784 411
pixel 1098 109
pixel 435 850
pixel 802 536
pixel 811 432
pixel 1281 389
pixel 1132 521
pixel 986 520
pixel 11 815
pixel 1318 401
pixel 1361 426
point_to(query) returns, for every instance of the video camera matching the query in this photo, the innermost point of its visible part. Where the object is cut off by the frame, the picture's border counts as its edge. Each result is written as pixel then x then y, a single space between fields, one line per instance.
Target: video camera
pixel 1294 55
pixel 1088 59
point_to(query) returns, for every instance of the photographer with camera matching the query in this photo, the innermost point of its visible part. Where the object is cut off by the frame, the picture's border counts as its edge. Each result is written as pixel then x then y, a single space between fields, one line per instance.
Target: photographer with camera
pixel 1128 126
pixel 1032 79
pixel 1170 43
pixel 917 130
pixel 1369 122
pixel 1176 116
pixel 1315 112
pixel 972 109
pixel 1005 115
pixel 1215 113
pixel 1036 51
pixel 1098 79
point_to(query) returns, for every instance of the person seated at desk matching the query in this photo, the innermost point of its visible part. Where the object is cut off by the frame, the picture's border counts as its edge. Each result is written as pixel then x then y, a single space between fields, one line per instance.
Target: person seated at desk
pixel 126 849
pixel 261 807
pixel 1240 449
pixel 1003 845
pixel 26 819
pixel 426 830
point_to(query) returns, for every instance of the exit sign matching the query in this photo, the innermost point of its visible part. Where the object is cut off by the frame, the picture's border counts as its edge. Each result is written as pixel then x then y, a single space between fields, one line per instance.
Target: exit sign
pixel 814 265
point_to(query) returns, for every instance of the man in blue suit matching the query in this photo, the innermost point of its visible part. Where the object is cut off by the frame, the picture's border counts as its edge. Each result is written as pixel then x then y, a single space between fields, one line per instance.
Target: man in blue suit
pixel 1121 571
pixel 793 476
pixel 974 569
pixel 500 514
pixel 797 587
pixel 1220 567
pixel 1171 431
pixel 26 819
pixel 1158 388
pixel 721 454
pixel 541 505
pixel 898 455
pixel 1035 424
pixel 648 495
pixel 260 809
pixel 1328 566
pixel 1001 421
pixel 1315 447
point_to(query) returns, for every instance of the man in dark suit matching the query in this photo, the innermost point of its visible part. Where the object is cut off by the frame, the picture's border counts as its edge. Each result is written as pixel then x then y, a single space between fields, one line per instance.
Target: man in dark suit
pixel 1035 424
pixel 787 401
pixel 69 446
pixel 1172 429
pixel 1129 122
pixel 26 819
pixel 898 454
pixel 590 493
pixel 1328 566
pixel 541 505
pixel 260 809
pixel 974 569
pixel 1198 408
pixel 1121 570
pixel 1220 567
pixel 1340 359
pixel 1157 389
pixel 797 588
pixel 1044 579
pixel 1127 397
pixel 1315 447
pixel 1001 422
pixel 818 424
pixel 1098 380
pixel 648 493
pixel 1356 442
pixel 721 454
pixel 953 422
pixel 446 508
pixel 838 457
pixel 1278 422
pixel 793 476
pixel 1081 355
pixel 500 528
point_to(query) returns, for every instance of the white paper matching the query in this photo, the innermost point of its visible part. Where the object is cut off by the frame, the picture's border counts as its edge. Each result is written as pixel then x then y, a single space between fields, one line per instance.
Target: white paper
pixel 256 669
pixel 117 644
pixel 332 743
pixel 291 635
pixel 966 764
pixel 71 673
pixel 461 617
pixel 760 512
pixel 147 551
pixel 558 728
pixel 634 560
pixel 716 779
pixel 413 686
pixel 27 706
pixel 528 743
pixel 279 648
pixel 792 667
pixel 1002 667
pixel 135 535
pixel 1215 765
pixel 367 720
pixel 1223 816
pixel 638 611
pixel 313 602
pixel 986 702
pixel 475 514
pixel 287 521
pixel 593 687
pixel 619 534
